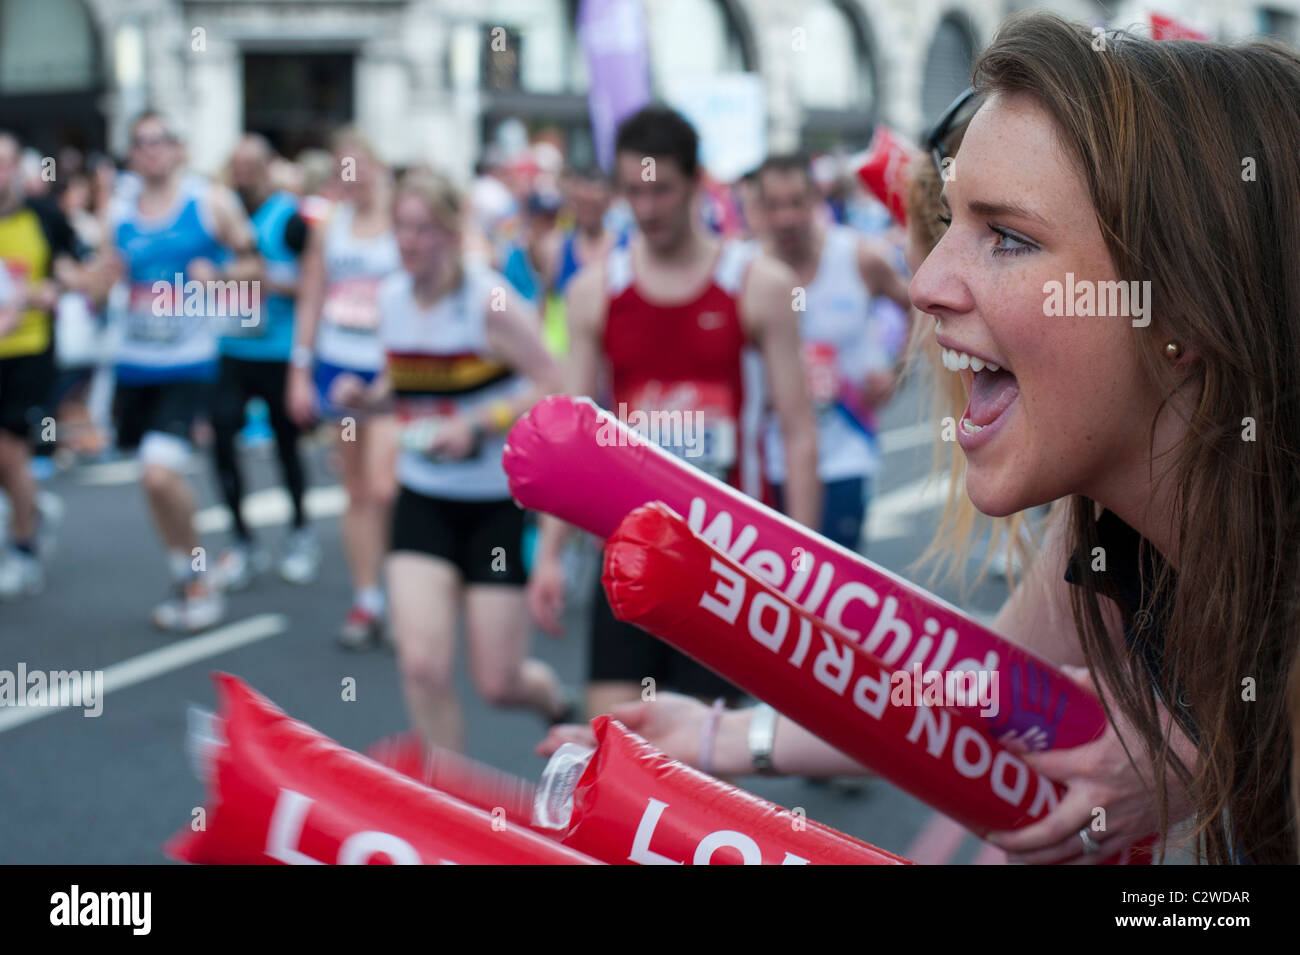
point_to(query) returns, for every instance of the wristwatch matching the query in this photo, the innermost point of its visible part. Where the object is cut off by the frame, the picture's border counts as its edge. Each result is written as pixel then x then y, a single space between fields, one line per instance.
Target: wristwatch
pixel 762 738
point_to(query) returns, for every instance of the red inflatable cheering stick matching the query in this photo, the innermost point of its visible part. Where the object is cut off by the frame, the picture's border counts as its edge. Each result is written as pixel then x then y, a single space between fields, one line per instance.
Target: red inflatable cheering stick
pixel 283 793
pixel 626 802
pixel 665 579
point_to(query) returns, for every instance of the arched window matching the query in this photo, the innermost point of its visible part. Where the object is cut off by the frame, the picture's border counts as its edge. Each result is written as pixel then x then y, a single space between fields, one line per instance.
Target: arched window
pixel 832 70
pixel 46 46
pixel 947 66
pixel 834 76
pixel 694 38
pixel 537 36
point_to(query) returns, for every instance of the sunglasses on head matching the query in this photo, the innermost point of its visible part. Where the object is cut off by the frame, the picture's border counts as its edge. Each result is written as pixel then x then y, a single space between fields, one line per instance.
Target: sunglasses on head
pixel 955 117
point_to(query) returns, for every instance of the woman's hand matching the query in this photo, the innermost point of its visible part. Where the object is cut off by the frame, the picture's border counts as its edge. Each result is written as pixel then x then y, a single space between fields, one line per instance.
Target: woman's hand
pixel 545 593
pixel 347 391
pixel 1098 775
pixel 671 722
pixel 300 398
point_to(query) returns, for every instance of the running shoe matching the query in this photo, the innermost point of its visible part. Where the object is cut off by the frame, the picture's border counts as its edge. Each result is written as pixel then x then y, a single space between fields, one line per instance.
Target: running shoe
pixel 21 575
pixel 361 629
pixel 191 609
pixel 301 558
pixel 239 565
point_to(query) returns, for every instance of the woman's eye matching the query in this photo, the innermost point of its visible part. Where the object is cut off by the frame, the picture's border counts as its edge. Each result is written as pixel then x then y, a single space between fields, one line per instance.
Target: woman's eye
pixel 946 220
pixel 1017 246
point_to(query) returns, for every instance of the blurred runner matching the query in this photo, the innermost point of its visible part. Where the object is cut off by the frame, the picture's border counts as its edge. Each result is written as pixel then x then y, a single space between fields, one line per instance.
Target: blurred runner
pixel 37 253
pixel 667 316
pixel 336 331
pixel 465 358
pixel 255 364
pixel 185 246
pixel 846 356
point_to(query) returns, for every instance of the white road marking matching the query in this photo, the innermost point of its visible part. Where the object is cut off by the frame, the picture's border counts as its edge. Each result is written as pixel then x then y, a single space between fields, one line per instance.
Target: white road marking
pixel 271 506
pixel 887 514
pixel 911 436
pixel 174 656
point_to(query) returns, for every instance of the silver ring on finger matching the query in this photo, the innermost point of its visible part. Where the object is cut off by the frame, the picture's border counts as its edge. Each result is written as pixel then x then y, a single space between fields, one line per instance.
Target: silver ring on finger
pixel 1090 845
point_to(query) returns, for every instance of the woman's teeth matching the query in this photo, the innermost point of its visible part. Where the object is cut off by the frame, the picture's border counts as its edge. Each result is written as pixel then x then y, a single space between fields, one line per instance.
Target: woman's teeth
pixel 955 360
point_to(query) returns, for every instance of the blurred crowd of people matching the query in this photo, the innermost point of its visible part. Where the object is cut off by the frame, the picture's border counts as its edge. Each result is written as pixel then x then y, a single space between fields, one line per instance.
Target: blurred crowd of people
pixel 361 274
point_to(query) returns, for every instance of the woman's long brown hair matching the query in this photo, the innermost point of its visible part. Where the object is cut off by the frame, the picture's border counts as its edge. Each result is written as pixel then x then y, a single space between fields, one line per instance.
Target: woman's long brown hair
pixel 1190 152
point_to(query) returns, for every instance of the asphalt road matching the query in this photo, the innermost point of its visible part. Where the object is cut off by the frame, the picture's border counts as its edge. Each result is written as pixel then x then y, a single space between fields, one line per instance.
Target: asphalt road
pixel 111 789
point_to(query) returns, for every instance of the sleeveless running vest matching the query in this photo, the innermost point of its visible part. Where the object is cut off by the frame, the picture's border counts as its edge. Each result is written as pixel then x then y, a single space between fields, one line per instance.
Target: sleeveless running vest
pixel 438 365
pixel 272 340
pixel 167 333
pixel 348 335
pixel 841 344
pixel 676 369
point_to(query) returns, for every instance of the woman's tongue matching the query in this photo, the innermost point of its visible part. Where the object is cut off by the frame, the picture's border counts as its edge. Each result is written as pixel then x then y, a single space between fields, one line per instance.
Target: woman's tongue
pixel 990 395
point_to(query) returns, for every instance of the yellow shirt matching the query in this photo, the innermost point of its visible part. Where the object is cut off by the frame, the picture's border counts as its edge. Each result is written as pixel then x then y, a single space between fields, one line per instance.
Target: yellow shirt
pixel 25 252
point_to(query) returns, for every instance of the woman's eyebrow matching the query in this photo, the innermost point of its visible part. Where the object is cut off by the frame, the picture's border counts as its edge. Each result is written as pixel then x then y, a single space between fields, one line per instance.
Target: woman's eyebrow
pixel 993 210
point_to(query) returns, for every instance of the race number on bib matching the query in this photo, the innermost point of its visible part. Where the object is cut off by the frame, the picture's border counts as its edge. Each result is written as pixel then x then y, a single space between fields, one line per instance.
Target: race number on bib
pixel 420 422
pixel 353 304
pixel 691 420
pixel 820 370
pixel 153 320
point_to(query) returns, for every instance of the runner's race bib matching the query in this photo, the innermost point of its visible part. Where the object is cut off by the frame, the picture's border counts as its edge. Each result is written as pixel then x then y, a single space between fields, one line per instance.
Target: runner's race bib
pixel 821 372
pixel 691 420
pixel 353 304
pixel 153 319
pixel 420 421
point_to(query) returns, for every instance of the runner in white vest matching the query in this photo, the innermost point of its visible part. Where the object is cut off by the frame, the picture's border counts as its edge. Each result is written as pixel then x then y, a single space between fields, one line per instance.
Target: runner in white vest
pixel 465 357
pixel 847 296
pixel 336 331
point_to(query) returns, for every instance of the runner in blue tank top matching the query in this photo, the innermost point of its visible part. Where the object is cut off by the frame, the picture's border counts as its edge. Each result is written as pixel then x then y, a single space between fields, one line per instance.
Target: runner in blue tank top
pixel 187 255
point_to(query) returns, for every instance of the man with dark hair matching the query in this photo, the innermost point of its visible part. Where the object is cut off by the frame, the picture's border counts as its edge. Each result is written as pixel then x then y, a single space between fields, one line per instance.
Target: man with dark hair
pixel 846 350
pixel 668 317
pixel 38 251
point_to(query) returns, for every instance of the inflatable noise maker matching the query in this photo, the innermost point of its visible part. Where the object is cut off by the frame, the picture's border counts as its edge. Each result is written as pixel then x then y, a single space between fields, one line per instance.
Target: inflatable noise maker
pixel 665 579
pixel 570 459
pixel 280 792
pixel 283 793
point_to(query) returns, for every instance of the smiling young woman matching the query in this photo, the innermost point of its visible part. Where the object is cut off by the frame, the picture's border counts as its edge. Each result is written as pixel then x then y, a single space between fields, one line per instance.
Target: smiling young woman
pixel 1114 158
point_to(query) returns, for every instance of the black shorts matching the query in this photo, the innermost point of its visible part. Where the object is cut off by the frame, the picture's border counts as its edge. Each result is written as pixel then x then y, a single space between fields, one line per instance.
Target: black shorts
pixel 171 408
pixel 482 539
pixel 26 386
pixel 623 653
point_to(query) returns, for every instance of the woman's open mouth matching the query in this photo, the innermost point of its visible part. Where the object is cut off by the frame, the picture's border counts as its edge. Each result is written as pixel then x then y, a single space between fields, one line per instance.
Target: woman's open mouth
pixel 993 390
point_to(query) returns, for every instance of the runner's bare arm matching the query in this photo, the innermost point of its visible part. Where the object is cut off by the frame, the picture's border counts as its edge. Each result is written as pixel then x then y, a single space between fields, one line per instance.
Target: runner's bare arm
pixel 514 336
pixel 766 307
pixel 235 232
pixel 880 277
pixel 584 310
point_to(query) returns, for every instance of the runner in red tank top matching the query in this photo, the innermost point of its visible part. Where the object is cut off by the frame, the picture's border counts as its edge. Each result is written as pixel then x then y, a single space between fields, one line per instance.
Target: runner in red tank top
pixel 668 317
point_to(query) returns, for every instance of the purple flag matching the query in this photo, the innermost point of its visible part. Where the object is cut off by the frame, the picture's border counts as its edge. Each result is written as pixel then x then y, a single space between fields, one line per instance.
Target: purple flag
pixel 614 40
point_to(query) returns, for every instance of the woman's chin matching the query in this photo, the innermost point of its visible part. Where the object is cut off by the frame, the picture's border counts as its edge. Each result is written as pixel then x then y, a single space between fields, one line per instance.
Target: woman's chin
pixel 994 498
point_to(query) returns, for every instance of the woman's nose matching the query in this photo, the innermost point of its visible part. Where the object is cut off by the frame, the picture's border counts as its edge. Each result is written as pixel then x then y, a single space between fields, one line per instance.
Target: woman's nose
pixel 939 285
